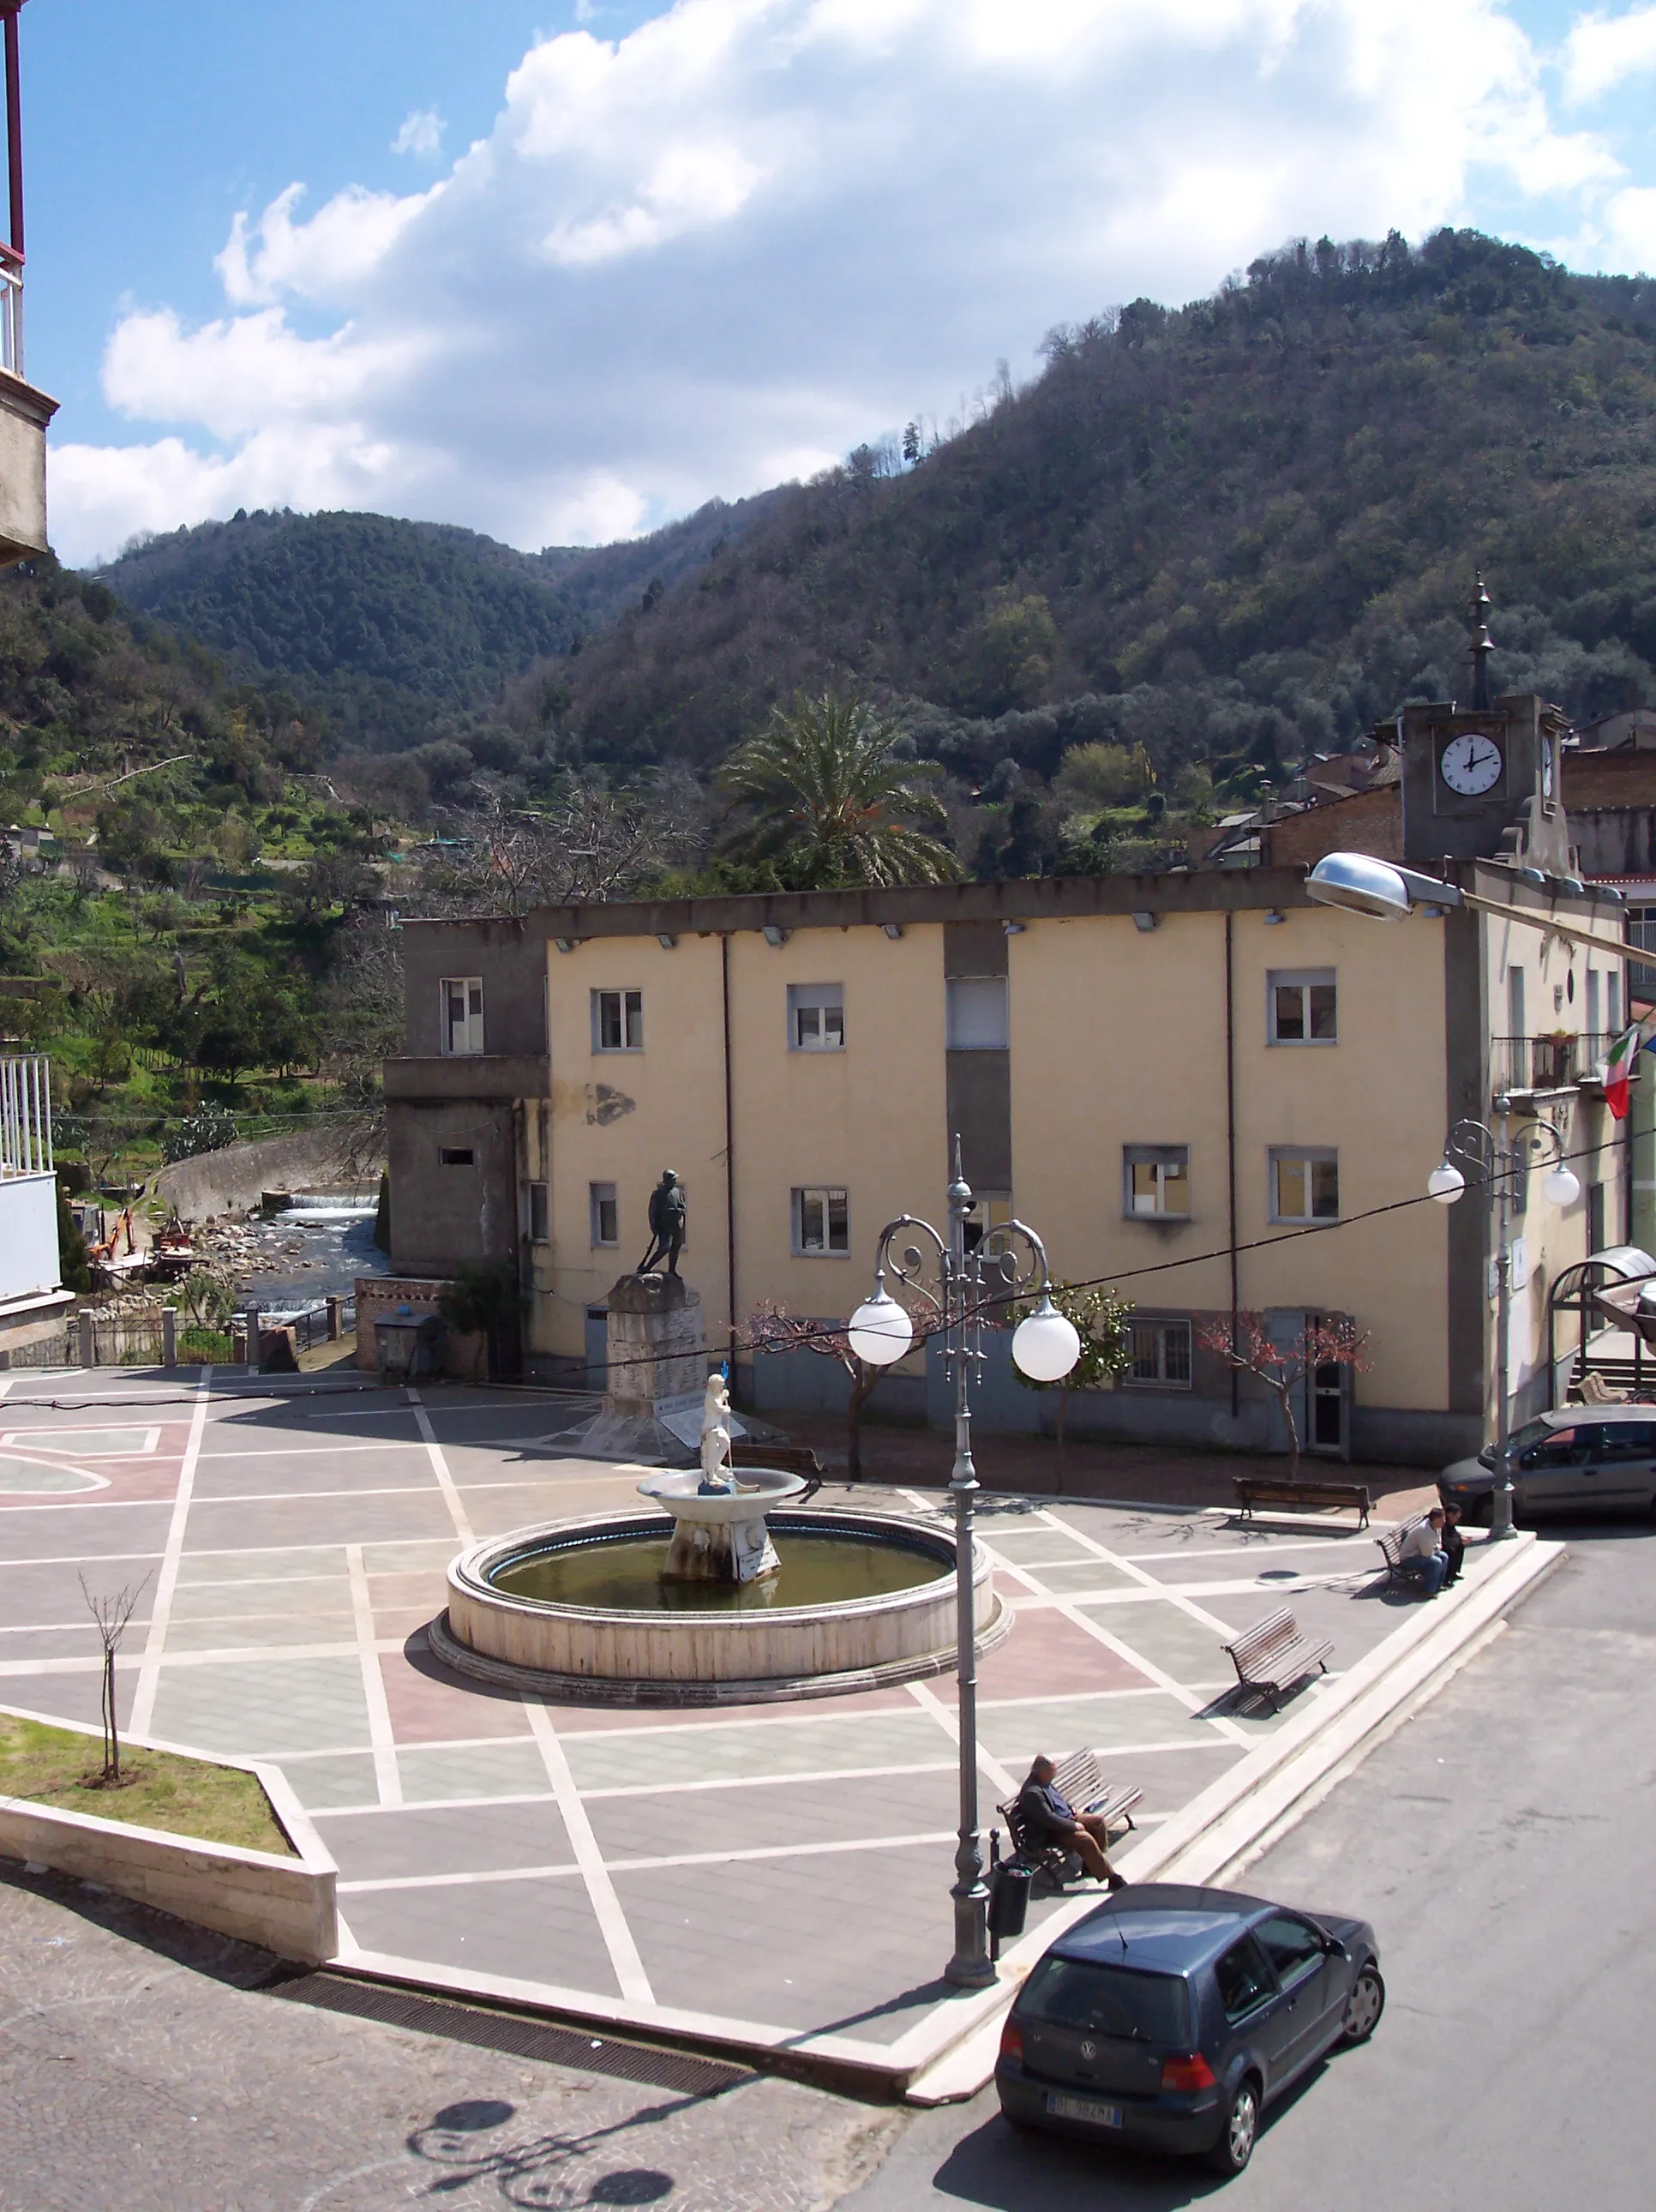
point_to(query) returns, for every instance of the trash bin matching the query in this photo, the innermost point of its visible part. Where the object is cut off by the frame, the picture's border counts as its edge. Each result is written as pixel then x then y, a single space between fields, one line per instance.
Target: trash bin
pixel 1009 1898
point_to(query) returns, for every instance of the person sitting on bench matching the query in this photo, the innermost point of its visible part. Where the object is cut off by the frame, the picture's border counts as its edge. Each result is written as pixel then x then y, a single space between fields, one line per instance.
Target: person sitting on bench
pixel 1422 1556
pixel 1051 1818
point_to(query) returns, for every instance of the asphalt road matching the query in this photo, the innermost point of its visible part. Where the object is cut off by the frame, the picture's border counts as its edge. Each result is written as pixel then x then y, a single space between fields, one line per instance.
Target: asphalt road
pixel 1501 1843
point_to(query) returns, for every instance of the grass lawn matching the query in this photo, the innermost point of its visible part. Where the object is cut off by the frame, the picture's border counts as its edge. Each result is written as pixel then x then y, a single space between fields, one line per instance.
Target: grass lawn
pixel 159 1789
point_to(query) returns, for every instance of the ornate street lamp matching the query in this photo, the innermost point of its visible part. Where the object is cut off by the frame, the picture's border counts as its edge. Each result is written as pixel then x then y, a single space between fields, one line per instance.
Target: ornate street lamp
pixel 1495 1160
pixel 1045 1347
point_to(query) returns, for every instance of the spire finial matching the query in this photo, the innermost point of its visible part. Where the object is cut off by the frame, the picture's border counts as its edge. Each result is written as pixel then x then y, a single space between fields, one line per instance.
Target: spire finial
pixel 1481 647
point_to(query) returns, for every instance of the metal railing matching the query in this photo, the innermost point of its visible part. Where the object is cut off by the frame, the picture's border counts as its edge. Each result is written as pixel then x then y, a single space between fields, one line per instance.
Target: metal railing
pixel 1547 1063
pixel 25 1115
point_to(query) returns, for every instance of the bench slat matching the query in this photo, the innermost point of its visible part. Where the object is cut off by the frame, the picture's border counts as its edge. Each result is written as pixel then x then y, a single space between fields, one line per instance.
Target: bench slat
pixel 1276 1653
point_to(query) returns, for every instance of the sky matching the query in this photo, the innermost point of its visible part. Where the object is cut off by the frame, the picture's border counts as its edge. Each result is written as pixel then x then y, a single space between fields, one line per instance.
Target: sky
pixel 562 270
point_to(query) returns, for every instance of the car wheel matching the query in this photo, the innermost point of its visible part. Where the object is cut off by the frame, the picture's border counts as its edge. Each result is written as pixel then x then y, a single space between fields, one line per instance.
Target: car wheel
pixel 1363 2007
pixel 1482 1513
pixel 1241 2126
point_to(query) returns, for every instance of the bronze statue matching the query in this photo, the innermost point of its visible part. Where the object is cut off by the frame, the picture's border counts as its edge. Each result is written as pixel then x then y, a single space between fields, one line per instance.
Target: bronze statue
pixel 666 1224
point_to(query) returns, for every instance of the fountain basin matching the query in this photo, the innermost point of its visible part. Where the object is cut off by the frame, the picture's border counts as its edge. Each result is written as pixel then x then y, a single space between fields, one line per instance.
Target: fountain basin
pixel 703 1642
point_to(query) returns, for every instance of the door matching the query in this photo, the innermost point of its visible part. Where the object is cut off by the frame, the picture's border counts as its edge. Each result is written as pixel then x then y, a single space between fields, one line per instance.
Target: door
pixel 1255 2009
pixel 597 1347
pixel 1313 1992
pixel 1321 1398
pixel 1624 1456
pixel 1559 1474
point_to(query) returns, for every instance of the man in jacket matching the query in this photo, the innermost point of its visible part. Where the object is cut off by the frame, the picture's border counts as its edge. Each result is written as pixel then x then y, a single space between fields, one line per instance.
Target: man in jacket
pixel 1422 1556
pixel 1049 1818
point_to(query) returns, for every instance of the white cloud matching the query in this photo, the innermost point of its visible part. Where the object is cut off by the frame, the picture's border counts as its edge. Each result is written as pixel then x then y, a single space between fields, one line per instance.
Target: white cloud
pixel 1602 51
pixel 421 134
pixel 703 257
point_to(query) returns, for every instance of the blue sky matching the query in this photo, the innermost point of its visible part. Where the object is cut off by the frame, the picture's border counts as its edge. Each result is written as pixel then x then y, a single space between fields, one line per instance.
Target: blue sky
pixel 560 270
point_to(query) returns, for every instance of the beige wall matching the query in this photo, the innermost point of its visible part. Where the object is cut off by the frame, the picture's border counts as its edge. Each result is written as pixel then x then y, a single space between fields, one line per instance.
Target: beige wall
pixel 1118 1037
pixel 871 1117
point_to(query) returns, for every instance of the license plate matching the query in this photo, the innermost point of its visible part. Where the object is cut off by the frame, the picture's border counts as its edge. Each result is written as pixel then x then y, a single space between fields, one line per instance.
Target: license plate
pixel 1083 2108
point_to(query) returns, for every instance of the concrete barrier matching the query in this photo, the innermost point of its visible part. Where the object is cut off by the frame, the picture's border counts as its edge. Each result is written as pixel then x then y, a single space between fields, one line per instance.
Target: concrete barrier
pixel 284 1904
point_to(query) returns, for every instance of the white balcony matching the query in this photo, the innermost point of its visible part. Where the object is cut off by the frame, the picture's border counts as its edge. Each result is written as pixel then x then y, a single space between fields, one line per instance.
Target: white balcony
pixel 28 1187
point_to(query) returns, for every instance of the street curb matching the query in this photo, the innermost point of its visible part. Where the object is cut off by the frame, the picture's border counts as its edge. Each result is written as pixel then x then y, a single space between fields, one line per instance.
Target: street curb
pixel 1267 1792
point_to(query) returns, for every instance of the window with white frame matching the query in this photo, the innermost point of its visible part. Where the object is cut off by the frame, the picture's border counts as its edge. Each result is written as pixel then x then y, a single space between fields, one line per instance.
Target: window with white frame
pixel 1161 1353
pixel 1305 1183
pixel 986 1225
pixel 538 1214
pixel 1300 1007
pixel 605 1209
pixel 977 1014
pixel 617 1021
pixel 821 1221
pixel 462 1028
pixel 1156 1181
pixel 816 1017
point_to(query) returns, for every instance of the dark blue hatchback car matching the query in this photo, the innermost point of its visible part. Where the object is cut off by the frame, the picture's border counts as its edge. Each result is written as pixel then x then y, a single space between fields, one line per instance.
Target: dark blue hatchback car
pixel 1171 2017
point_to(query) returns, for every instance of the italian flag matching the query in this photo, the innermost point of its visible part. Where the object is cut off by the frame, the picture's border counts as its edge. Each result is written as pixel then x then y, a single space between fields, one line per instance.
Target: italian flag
pixel 1618 1070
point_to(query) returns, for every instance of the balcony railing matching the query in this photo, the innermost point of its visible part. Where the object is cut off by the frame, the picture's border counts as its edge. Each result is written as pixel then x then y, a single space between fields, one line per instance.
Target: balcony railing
pixel 25 1115
pixel 1547 1063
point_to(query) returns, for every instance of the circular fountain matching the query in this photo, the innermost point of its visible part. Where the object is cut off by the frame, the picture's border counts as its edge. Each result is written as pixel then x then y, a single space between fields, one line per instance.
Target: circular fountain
pixel 620 1608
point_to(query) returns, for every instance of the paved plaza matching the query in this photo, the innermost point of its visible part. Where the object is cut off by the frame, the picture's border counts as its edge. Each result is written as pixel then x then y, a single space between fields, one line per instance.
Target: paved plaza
pixel 777 1873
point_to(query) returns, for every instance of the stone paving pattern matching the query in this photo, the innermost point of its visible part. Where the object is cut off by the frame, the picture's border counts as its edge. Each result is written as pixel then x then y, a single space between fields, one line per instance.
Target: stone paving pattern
pixel 292 1539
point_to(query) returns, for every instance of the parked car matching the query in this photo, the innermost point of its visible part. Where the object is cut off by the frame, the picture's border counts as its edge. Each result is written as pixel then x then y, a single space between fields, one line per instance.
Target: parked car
pixel 1169 2018
pixel 1569 1461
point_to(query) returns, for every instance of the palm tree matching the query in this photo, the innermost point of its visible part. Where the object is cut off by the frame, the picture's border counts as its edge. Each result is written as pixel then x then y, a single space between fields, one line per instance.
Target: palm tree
pixel 828 798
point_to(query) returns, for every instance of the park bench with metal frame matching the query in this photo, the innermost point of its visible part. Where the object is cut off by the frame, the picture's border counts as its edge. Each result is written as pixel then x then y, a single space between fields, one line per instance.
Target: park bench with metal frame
pixel 1391 1541
pixel 1253 1490
pixel 1080 1781
pixel 1275 1654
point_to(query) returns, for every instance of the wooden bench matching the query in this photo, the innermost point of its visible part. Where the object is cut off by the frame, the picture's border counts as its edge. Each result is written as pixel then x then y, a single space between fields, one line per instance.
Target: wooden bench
pixel 1080 1780
pixel 1391 1541
pixel 1275 1654
pixel 1253 1490
pixel 787 1459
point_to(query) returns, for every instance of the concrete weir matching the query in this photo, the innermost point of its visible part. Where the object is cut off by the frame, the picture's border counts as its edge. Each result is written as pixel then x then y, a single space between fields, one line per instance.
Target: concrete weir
pixel 739 1656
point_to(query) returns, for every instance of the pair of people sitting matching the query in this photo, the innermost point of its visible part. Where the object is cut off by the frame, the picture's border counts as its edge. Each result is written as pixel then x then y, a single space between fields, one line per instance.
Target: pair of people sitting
pixel 1047 1817
pixel 1431 1553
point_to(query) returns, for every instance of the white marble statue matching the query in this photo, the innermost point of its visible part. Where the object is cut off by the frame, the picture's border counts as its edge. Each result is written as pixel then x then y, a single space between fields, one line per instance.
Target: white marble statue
pixel 718 1475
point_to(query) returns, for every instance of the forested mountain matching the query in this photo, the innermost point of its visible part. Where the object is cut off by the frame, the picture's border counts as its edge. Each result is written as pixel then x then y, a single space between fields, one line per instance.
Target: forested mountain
pixel 1230 533
pixel 391 625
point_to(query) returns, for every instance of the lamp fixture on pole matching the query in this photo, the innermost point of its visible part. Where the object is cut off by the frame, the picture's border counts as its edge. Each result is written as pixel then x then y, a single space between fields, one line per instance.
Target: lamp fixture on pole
pixel 1010 1265
pixel 1494 1161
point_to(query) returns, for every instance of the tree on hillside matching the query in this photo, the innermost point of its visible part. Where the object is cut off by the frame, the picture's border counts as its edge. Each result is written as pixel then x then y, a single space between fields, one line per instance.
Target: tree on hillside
pixel 591 842
pixel 827 796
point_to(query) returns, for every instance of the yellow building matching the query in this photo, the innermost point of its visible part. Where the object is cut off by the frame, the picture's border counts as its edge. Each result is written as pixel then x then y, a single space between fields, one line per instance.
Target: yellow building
pixel 1200 1086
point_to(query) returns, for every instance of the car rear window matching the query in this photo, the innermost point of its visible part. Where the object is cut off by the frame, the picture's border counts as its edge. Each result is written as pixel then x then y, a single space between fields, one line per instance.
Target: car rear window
pixel 1107 2000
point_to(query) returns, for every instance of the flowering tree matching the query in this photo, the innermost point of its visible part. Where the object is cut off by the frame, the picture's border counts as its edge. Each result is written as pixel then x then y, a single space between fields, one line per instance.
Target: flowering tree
pixel 1283 1367
pixel 771 1327
pixel 1100 1319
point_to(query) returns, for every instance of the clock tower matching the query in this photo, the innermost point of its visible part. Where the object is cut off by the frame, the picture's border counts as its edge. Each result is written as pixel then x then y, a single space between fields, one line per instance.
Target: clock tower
pixel 1480 782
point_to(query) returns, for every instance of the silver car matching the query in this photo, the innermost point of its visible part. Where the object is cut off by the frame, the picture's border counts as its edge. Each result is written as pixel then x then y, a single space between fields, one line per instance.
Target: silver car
pixel 1578 1460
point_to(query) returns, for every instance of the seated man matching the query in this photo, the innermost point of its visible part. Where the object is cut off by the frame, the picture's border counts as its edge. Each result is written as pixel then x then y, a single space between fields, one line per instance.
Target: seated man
pixel 1422 1556
pixel 1454 1544
pixel 1051 1818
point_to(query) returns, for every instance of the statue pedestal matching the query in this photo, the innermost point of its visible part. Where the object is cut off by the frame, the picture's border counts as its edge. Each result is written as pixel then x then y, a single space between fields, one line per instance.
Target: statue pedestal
pixel 721 1537
pixel 657 1353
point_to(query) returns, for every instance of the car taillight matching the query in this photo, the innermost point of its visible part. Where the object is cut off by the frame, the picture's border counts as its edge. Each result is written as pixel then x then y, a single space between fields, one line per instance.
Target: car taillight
pixel 1191 2073
pixel 1011 2041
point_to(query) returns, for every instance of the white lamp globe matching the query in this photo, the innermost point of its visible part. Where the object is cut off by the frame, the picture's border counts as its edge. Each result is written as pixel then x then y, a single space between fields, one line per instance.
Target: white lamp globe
pixel 1446 1183
pixel 880 1330
pixel 1046 1346
pixel 1561 1187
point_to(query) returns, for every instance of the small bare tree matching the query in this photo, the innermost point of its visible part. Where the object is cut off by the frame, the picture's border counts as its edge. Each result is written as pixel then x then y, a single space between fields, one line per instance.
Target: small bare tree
pixel 591 842
pixel 112 1616
pixel 771 1327
pixel 1283 1367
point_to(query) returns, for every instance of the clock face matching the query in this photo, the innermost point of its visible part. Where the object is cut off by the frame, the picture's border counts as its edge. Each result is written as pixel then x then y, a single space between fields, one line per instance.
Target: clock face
pixel 1472 764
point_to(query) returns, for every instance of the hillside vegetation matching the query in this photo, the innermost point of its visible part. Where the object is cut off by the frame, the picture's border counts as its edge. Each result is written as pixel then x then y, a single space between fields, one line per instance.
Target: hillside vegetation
pixel 1226 535
pixel 392 626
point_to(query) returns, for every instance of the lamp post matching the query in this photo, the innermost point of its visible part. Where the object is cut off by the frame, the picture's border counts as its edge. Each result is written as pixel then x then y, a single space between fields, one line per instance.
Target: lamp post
pixel 1046 1346
pixel 1495 1160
